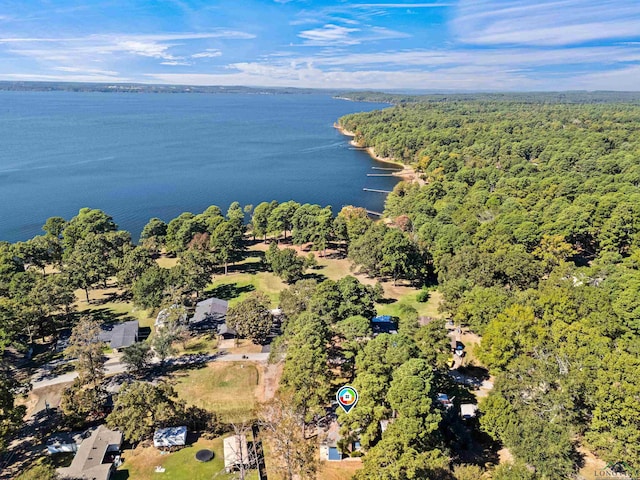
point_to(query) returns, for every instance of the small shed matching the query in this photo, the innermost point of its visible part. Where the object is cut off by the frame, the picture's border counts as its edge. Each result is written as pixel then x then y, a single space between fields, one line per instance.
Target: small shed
pixel 236 453
pixel 384 324
pixel 226 332
pixel 170 437
pixel 468 410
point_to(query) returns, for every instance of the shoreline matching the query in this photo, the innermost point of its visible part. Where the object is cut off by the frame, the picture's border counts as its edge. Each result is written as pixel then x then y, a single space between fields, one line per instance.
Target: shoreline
pixel 407 174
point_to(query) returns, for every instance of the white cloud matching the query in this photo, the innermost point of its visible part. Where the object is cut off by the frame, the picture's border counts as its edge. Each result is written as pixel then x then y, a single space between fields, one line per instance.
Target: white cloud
pixel 97 48
pixel 330 34
pixel 545 22
pixel 208 53
pixel 399 5
pixel 34 77
pixel 87 71
pixel 175 63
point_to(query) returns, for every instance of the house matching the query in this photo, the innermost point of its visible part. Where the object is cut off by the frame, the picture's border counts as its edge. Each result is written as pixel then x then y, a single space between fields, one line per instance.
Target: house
pixel 65 442
pixel 329 447
pixel 468 410
pixel 164 315
pixel 170 437
pixel 236 453
pixel 211 307
pixel 384 324
pixel 95 456
pixel 120 335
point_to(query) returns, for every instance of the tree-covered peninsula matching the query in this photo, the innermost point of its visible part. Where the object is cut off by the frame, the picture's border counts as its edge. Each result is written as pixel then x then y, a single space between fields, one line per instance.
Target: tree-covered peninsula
pixel 530 215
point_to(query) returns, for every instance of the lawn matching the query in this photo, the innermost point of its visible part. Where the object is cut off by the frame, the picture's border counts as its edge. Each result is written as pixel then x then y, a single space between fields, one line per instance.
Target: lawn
pixel 236 286
pixel 140 463
pixel 408 297
pixel 229 389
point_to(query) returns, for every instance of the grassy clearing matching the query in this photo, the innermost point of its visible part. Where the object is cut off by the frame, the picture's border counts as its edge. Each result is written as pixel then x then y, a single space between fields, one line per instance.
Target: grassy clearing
pixel 340 470
pixel 206 343
pixel 140 463
pixel 426 309
pixel 236 286
pixel 229 389
pixel 121 311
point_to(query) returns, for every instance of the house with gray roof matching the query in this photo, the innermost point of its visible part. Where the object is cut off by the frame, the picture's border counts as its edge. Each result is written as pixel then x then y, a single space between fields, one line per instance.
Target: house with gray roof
pixel 210 308
pixel 94 459
pixel 120 335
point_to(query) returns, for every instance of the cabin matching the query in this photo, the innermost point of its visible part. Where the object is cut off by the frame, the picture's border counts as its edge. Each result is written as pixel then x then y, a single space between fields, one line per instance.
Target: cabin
pixel 209 314
pixel 170 437
pixel 236 453
pixel 329 447
pixel 384 324
pixel 120 335
pixel 95 456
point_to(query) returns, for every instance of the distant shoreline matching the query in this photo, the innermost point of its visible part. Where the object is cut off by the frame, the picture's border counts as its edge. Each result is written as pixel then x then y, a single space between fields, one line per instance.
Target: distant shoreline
pixel 407 173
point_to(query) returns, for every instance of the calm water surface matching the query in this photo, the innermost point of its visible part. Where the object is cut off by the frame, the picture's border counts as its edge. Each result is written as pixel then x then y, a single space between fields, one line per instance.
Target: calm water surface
pixel 138 156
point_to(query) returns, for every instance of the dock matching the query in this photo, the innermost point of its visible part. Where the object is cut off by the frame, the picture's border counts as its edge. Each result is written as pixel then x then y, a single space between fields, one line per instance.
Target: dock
pixel 391 169
pixel 380 175
pixel 376 190
pixel 371 212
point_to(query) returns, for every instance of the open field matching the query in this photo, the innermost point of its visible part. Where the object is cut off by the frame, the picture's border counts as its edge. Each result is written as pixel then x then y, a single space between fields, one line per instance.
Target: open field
pixel 227 389
pixel 140 463
pixel 343 470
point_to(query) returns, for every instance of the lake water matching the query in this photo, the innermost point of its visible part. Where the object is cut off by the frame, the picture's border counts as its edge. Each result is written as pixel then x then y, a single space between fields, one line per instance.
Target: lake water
pixel 138 156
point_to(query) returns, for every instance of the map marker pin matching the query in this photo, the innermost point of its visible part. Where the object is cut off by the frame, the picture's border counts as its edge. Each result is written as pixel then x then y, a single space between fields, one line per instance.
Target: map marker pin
pixel 347 398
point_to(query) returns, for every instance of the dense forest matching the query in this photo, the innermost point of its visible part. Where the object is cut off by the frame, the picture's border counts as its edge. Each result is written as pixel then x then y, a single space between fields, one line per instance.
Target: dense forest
pixel 575 97
pixel 530 216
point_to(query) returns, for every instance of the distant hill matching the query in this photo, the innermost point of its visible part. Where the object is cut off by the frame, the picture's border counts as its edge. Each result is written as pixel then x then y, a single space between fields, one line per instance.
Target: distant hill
pixel 146 88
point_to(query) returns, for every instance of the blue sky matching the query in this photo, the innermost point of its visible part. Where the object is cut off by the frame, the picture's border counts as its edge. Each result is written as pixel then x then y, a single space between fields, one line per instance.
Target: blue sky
pixel 438 45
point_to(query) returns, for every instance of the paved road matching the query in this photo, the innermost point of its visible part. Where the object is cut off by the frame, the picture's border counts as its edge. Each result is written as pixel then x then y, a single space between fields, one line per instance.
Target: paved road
pixel 44 378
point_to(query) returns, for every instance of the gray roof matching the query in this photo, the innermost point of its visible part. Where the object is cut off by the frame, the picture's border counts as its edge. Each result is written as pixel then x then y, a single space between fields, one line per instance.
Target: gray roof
pixel 120 335
pixel 209 308
pixel 88 460
pixel 225 329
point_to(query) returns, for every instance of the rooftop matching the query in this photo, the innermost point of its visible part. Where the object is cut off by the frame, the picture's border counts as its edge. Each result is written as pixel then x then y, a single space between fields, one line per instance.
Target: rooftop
pixel 120 335
pixel 88 460
pixel 236 451
pixel 209 308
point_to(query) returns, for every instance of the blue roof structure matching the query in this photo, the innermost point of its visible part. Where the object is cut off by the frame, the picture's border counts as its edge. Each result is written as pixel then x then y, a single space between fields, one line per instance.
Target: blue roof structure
pixel 334 454
pixel 384 324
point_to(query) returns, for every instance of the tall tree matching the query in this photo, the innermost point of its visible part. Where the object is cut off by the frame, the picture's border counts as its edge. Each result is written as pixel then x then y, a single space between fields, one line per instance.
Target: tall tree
pixel 294 456
pixel 226 243
pixel 252 318
pixel 142 407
